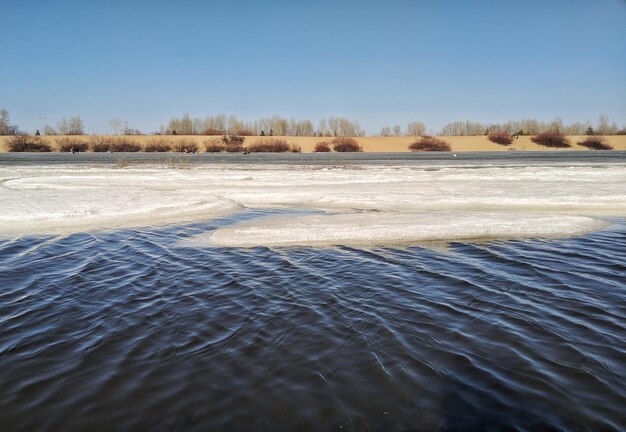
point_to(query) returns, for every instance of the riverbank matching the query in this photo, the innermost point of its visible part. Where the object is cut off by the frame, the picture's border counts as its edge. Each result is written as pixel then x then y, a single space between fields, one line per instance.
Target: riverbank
pixel 369 144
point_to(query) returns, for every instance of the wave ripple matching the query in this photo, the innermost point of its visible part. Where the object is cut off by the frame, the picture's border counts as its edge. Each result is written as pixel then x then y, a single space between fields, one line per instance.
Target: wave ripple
pixel 125 330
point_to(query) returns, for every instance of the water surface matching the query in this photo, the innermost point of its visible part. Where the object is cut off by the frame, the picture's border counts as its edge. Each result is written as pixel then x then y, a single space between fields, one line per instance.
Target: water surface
pixel 124 330
pixel 461 158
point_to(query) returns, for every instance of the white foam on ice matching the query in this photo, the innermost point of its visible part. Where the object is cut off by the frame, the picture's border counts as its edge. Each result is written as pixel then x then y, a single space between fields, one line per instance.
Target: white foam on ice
pixel 373 228
pixel 39 199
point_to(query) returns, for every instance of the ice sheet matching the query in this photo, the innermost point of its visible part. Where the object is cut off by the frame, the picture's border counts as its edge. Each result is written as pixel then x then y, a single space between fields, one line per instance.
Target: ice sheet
pixel 35 199
pixel 375 228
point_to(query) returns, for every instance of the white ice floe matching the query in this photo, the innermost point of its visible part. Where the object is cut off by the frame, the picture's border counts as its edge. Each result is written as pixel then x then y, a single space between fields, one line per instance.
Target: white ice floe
pixel 40 199
pixel 375 228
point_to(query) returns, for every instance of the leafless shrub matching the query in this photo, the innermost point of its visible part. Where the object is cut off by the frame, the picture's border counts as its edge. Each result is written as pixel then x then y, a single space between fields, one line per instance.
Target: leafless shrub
pixel 233 143
pixel 322 147
pixel 28 143
pixel 244 132
pixel 233 139
pixel 501 137
pixel 72 144
pixel 158 145
pixel 123 145
pixel 552 139
pixel 346 144
pixel 429 143
pixel 595 142
pixel 210 131
pixel 294 148
pixel 185 146
pixel 269 145
pixel 214 145
pixel 101 144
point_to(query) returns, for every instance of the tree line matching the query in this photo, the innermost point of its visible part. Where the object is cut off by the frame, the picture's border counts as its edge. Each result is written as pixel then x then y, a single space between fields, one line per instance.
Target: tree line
pixel 534 127
pixel 71 126
pixel 276 125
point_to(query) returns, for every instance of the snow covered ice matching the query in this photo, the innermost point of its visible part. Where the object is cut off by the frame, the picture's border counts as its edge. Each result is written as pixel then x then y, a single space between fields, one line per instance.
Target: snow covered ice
pixel 369 204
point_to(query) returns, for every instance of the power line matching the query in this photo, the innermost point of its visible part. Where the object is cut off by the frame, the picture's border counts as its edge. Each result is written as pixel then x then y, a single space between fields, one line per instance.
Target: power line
pixel 24 105
pixel 41 111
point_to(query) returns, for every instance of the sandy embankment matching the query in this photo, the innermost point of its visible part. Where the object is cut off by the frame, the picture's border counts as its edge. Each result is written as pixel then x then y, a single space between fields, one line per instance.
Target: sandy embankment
pixel 378 144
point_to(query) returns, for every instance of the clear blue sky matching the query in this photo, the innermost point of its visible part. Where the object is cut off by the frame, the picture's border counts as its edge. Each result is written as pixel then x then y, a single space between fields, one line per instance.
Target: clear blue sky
pixel 379 62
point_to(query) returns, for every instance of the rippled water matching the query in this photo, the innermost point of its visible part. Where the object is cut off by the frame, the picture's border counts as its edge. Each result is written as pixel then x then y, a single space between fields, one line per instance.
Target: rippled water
pixel 125 330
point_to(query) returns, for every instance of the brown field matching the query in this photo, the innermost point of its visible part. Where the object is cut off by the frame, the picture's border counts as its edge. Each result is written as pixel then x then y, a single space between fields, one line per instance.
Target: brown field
pixel 377 144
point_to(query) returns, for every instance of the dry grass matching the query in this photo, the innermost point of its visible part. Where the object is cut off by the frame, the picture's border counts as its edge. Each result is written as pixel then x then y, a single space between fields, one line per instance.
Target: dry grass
pixel 185 146
pixel 346 144
pixel 28 143
pixel 429 144
pixel 124 145
pixel 233 144
pixel 234 148
pixel 214 145
pixel 369 144
pixel 212 132
pixel 67 144
pixel 595 142
pixel 322 147
pixel 158 145
pixel 551 139
pixel 101 144
pixel 501 137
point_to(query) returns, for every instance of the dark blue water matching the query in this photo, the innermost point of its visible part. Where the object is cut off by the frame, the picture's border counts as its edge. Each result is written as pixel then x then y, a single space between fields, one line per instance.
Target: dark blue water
pixel 125 330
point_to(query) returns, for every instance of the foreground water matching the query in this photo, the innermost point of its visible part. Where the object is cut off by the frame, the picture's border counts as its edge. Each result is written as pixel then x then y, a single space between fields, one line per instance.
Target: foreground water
pixel 164 328
pixel 127 330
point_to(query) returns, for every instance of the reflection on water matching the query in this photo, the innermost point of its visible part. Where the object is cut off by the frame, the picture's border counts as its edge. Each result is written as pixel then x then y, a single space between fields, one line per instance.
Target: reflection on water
pixel 126 331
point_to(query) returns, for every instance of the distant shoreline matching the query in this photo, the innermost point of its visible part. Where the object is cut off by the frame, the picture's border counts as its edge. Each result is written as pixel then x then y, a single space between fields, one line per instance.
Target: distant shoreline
pixel 369 144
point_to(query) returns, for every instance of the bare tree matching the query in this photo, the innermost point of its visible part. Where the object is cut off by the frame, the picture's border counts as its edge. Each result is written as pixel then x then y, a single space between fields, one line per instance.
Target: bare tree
pixel 576 128
pixel 5 123
pixel 466 128
pixel 279 125
pixel 76 126
pixel 385 131
pixel 530 126
pixel 292 128
pixel 603 125
pixel 63 126
pixel 186 125
pixel 397 130
pixel 556 125
pixel 73 126
pixel 415 128
pixel 117 125
pixel 341 126
pixel 305 128
pixel 49 130
pixel 322 128
pixel 197 125
pixel 180 126
pixel 214 125
pixel 234 125
pixel 300 128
